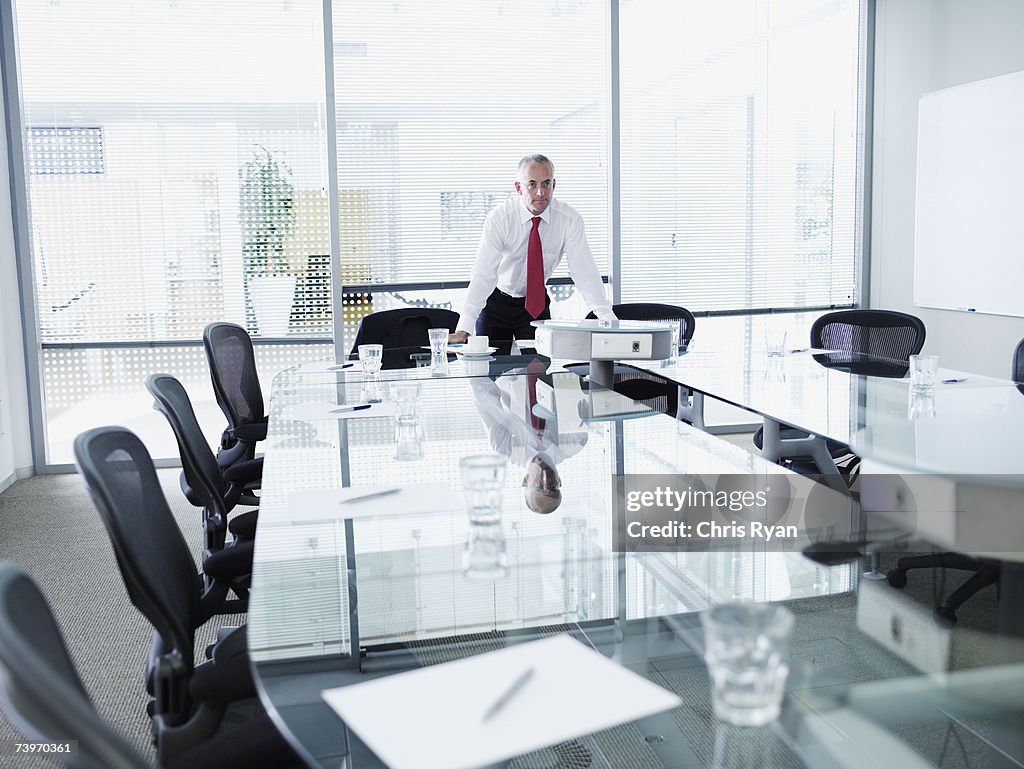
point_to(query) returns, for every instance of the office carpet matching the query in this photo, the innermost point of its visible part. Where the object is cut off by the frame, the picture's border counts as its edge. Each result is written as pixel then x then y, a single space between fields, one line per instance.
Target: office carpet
pixel 49 526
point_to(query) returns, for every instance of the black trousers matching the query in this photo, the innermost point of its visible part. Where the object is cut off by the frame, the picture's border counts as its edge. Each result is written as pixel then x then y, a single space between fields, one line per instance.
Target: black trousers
pixel 504 317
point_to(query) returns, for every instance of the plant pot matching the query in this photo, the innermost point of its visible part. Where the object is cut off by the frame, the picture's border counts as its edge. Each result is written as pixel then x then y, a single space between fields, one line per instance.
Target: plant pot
pixel 271 297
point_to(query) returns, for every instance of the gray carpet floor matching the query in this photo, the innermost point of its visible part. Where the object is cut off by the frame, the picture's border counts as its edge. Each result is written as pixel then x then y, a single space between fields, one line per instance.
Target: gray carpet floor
pixel 49 527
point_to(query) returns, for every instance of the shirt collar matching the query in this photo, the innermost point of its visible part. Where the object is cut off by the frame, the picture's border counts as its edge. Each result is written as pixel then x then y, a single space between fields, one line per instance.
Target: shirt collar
pixel 526 215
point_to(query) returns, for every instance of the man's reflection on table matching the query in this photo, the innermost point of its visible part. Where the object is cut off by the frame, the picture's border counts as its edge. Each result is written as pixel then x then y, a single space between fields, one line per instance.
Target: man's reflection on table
pixel 533 419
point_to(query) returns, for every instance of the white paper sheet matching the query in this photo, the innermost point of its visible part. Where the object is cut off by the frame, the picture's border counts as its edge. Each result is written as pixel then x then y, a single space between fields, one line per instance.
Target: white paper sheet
pixel 434 716
pixel 330 504
pixel 321 410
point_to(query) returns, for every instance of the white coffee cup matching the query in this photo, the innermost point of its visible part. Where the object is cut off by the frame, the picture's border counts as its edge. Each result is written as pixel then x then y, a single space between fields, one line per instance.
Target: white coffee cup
pixel 478 344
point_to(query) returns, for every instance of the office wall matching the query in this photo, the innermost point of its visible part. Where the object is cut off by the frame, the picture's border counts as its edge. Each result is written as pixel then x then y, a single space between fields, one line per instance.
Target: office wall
pixel 15 448
pixel 922 46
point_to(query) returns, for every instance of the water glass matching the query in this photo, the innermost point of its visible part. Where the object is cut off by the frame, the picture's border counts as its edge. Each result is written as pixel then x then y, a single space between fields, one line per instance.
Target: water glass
pixel 775 341
pixel 746 647
pixel 483 480
pixel 371 356
pixel 676 325
pixel 924 370
pixel 438 341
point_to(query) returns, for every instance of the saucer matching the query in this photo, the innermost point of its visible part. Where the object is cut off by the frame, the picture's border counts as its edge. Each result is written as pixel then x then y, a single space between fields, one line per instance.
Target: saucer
pixel 476 355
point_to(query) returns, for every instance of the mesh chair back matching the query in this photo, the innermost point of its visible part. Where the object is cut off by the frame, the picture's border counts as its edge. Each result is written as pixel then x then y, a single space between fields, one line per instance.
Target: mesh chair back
pixel 39 688
pixel 404 327
pixel 1017 372
pixel 1018 363
pixel 155 562
pixel 198 462
pixel 881 333
pixel 232 362
pixel 650 311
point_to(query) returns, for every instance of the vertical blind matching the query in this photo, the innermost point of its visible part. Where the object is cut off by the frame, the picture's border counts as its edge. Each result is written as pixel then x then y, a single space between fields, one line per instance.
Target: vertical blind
pixel 738 152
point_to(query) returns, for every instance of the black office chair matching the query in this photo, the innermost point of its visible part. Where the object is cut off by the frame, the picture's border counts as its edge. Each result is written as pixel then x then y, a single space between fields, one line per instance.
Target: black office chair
pixel 44 698
pixel 643 386
pixel 985 572
pixel 215 491
pixel 189 701
pixel 236 385
pixel 404 327
pixel 41 692
pixel 890 337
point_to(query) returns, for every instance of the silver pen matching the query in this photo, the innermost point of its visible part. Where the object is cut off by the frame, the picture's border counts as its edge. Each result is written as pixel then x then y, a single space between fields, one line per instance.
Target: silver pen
pixel 511 692
pixel 372 495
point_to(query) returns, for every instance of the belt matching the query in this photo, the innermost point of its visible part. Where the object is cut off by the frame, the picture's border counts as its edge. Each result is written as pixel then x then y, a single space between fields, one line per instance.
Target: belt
pixel 501 293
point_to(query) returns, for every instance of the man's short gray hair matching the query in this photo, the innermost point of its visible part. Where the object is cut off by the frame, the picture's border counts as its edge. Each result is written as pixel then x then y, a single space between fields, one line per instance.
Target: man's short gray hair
pixel 537 158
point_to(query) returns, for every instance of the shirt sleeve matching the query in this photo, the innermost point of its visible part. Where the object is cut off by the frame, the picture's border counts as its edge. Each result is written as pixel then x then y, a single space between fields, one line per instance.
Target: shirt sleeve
pixel 584 271
pixel 485 274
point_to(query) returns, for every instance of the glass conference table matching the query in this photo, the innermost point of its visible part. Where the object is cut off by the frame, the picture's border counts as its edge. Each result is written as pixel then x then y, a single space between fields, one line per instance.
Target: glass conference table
pixel 339 600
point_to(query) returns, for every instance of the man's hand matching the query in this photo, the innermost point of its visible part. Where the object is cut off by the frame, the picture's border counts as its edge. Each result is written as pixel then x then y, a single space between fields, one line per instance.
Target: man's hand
pixel 458 337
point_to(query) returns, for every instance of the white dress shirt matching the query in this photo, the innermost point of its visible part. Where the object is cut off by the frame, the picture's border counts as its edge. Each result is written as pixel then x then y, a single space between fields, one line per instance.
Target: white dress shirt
pixel 501 257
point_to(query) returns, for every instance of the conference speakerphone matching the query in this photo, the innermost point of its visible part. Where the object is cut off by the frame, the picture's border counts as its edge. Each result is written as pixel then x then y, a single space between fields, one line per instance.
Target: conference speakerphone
pixel 603 341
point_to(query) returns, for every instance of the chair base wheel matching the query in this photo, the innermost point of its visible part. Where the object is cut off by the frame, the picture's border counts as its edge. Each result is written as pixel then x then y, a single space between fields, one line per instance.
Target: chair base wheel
pixel 897 578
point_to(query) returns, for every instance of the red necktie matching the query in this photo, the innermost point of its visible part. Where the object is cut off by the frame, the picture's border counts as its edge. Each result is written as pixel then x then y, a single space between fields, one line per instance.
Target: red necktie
pixel 535 297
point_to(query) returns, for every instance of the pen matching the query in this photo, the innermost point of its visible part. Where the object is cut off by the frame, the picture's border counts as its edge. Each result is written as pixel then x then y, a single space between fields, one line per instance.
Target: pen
pixel 343 365
pixel 372 495
pixel 343 409
pixel 511 692
pixel 954 381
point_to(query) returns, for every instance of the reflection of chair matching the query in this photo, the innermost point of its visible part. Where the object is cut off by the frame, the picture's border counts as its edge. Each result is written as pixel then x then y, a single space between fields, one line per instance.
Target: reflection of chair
pixel 404 327
pixel 214 490
pixel 236 385
pixel 890 336
pixel 643 386
pixel 985 572
pixel 189 701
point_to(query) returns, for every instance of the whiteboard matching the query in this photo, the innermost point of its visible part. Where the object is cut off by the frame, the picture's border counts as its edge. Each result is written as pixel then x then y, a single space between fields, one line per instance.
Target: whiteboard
pixel 969 231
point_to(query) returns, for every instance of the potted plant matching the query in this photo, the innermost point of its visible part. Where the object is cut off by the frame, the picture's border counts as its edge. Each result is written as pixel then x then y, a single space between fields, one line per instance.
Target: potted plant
pixel 267 216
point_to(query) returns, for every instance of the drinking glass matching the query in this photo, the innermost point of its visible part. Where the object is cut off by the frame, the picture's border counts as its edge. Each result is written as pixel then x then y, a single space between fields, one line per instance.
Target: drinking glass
pixel 775 341
pixel 746 648
pixel 438 350
pixel 371 356
pixel 924 370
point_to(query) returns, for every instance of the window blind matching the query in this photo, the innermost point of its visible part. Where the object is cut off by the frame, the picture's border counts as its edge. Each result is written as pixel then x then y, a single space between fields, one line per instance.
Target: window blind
pixel 175 151
pixel 739 151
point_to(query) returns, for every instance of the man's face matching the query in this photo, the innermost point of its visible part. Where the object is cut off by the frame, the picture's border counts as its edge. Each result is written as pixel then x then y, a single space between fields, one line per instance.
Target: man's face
pixel 536 187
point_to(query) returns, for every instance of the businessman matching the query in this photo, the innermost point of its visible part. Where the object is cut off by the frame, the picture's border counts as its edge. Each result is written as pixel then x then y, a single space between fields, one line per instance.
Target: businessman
pixel 523 241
